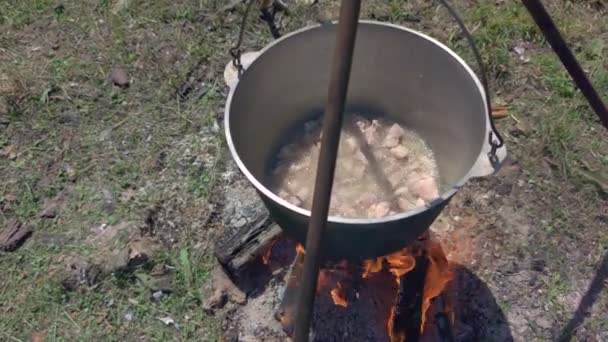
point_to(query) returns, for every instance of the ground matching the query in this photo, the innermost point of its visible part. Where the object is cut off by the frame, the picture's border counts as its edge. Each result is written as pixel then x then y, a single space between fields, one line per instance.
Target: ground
pixel 98 170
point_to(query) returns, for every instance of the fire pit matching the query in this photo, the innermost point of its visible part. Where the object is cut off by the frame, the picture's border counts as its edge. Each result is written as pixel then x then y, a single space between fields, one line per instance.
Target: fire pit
pixel 415 294
pixel 356 299
pixel 397 289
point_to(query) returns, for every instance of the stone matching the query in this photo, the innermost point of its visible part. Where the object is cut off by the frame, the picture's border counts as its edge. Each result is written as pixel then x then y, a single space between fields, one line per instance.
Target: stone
pixel 119 77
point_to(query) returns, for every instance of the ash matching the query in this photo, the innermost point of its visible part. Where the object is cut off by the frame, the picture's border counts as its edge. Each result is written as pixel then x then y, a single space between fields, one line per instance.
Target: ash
pixel 382 169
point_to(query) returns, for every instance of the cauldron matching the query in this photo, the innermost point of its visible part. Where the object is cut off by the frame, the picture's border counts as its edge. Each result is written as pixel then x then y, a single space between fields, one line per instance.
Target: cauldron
pixel 397 73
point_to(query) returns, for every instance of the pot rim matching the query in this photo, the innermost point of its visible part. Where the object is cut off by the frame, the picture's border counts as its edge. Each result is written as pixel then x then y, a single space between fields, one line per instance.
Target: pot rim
pixel 337 219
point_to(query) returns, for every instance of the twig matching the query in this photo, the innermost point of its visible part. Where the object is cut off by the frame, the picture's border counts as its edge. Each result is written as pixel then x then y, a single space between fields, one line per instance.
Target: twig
pixel 120 123
pixel 11 337
pixel 72 320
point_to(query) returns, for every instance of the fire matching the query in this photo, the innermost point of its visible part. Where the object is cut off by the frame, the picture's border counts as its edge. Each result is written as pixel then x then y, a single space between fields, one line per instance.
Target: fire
pixel 395 336
pixel 400 263
pixel 300 249
pixel 372 266
pixel 438 276
pixel 266 256
pixel 338 295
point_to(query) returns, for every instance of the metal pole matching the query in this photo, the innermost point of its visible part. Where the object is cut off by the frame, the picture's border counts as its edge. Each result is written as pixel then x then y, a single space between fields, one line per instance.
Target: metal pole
pixel 332 124
pixel 553 36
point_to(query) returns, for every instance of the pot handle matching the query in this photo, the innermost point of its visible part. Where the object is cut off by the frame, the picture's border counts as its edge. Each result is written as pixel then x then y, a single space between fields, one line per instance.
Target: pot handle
pixel 494 152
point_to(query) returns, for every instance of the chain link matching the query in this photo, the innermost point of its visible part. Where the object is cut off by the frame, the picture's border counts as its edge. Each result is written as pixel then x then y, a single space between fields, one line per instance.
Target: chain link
pixel 235 51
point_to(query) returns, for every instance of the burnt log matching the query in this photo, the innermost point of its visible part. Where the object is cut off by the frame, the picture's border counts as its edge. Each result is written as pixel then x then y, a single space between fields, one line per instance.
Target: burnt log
pixel 13 235
pixel 247 243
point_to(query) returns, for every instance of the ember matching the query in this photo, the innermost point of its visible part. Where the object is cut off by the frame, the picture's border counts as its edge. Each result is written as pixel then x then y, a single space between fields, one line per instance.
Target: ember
pixel 338 295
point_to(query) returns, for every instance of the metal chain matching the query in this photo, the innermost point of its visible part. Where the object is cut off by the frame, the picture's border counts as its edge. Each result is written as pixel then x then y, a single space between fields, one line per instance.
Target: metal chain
pixel 494 138
pixel 235 51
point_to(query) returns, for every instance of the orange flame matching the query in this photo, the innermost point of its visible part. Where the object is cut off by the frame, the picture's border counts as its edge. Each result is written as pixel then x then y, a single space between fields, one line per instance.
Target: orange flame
pixel 438 276
pixel 395 336
pixel 266 256
pixel 338 295
pixel 372 266
pixel 400 263
pixel 300 249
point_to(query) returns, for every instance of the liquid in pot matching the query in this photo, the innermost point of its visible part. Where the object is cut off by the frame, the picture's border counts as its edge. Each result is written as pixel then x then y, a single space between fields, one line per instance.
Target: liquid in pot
pixel 382 169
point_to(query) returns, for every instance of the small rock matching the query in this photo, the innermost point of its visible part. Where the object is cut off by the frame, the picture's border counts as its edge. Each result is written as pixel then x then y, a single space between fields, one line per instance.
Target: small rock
pixel 50 209
pixel 80 272
pixel 544 323
pixel 158 295
pixel 128 316
pixel 119 77
pixel 70 172
pixel 400 151
pixel 223 290
pixel 105 134
pixel 108 202
pixel 168 321
pixel 240 223
pixel 142 250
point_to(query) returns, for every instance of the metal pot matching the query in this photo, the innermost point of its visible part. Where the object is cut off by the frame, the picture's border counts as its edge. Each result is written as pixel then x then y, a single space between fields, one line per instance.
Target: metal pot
pixel 398 73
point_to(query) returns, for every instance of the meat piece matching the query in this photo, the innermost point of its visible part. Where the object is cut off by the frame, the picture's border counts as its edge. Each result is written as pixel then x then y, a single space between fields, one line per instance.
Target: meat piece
pixel 379 210
pixel 400 151
pixel 396 178
pixel 367 200
pixel 361 157
pixel 426 188
pixel 420 202
pixel 303 193
pixel 405 204
pixel 404 190
pixel 351 142
pixel 395 132
pixel 390 142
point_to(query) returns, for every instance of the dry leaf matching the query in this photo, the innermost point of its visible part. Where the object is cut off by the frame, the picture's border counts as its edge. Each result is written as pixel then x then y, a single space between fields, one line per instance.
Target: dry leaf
pixel 9 152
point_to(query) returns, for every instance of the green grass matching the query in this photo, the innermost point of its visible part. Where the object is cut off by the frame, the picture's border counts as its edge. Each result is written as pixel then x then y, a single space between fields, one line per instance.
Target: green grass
pixel 74 130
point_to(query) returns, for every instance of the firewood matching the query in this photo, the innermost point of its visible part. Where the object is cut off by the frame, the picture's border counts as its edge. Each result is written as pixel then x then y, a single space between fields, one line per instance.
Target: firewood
pixel 247 244
pixel 13 235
